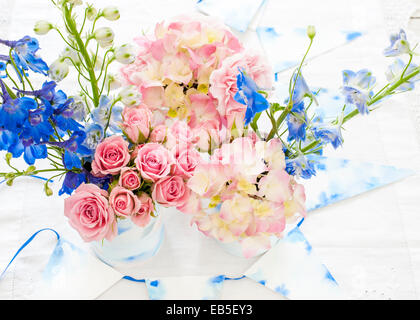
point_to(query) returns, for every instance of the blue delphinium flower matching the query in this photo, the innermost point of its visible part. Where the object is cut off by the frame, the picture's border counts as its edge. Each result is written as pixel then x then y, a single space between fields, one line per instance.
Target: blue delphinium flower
pixel 74 150
pixel 71 182
pixel 29 148
pixel 248 95
pixel 37 124
pixel 300 167
pixel 101 182
pixel 356 88
pixel 301 89
pixel 47 91
pixel 100 115
pixel 328 133
pixel 399 45
pixel 395 71
pixel 297 122
pixel 3 67
pixel 63 117
pixel 7 139
pixel 14 112
pixel 24 54
pixel 94 135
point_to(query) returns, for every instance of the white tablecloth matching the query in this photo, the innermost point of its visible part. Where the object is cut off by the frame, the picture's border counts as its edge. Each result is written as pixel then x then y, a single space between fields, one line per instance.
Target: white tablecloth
pixel 370 243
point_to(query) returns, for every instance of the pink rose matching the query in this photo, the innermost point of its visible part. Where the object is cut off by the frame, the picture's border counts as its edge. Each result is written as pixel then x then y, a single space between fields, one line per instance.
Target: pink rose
pixel 186 161
pixel 158 134
pixel 154 161
pixel 171 192
pixel 143 216
pixel 136 123
pixel 124 202
pixel 111 155
pixel 89 213
pixel 129 179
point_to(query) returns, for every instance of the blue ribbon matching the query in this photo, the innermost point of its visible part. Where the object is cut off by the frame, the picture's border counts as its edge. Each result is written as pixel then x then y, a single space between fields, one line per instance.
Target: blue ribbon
pixel 36 177
pixel 25 244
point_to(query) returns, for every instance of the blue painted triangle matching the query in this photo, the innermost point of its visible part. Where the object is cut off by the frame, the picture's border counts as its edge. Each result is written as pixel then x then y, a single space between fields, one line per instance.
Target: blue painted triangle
pixel 339 179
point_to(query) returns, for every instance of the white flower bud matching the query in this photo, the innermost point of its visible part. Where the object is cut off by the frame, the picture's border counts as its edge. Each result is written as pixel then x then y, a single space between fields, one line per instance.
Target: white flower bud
pixel 42 27
pixel 105 44
pixel 310 31
pixel 111 13
pixel 59 69
pixel 72 54
pixel 104 34
pixel 113 82
pixel 91 13
pixel 73 2
pixel 125 54
pixel 130 96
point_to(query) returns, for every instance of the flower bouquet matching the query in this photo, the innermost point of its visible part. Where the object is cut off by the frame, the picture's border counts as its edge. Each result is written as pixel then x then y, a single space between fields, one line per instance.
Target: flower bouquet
pixel 177 126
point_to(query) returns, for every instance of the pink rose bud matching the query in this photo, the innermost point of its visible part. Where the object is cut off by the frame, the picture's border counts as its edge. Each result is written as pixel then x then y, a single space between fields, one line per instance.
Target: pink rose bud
pixel 136 123
pixel 171 192
pixel 129 179
pixel 143 216
pixel 124 202
pixel 89 213
pixel 111 156
pixel 154 161
pixel 158 134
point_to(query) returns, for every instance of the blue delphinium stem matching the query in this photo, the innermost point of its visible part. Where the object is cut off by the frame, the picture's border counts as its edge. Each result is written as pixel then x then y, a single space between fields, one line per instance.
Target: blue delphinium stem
pixel 375 99
pixel 289 107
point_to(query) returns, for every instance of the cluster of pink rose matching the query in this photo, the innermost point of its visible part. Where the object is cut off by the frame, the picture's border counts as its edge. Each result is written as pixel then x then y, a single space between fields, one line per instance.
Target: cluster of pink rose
pixel 250 197
pixel 188 70
pixel 187 75
pixel 141 174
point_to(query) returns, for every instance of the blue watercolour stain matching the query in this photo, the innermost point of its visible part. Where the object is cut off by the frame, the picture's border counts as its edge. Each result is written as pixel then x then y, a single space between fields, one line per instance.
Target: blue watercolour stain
pixel 329 276
pixel 213 287
pixel 218 279
pixel 342 179
pixel 147 254
pixel 282 290
pixel 300 31
pixel 296 236
pixel 271 32
pixel 58 260
pixel 336 97
pixel 155 289
pixel 259 277
pixel 352 35
pixel 121 229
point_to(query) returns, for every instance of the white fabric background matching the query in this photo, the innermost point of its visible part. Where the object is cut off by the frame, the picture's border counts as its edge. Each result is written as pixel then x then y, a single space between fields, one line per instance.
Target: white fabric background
pixel 370 243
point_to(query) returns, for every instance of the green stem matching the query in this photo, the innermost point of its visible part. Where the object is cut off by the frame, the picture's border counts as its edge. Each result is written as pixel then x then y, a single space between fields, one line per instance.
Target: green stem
pixel 375 99
pixel 290 105
pixel 17 69
pixel 110 114
pixel 385 93
pixel 82 48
